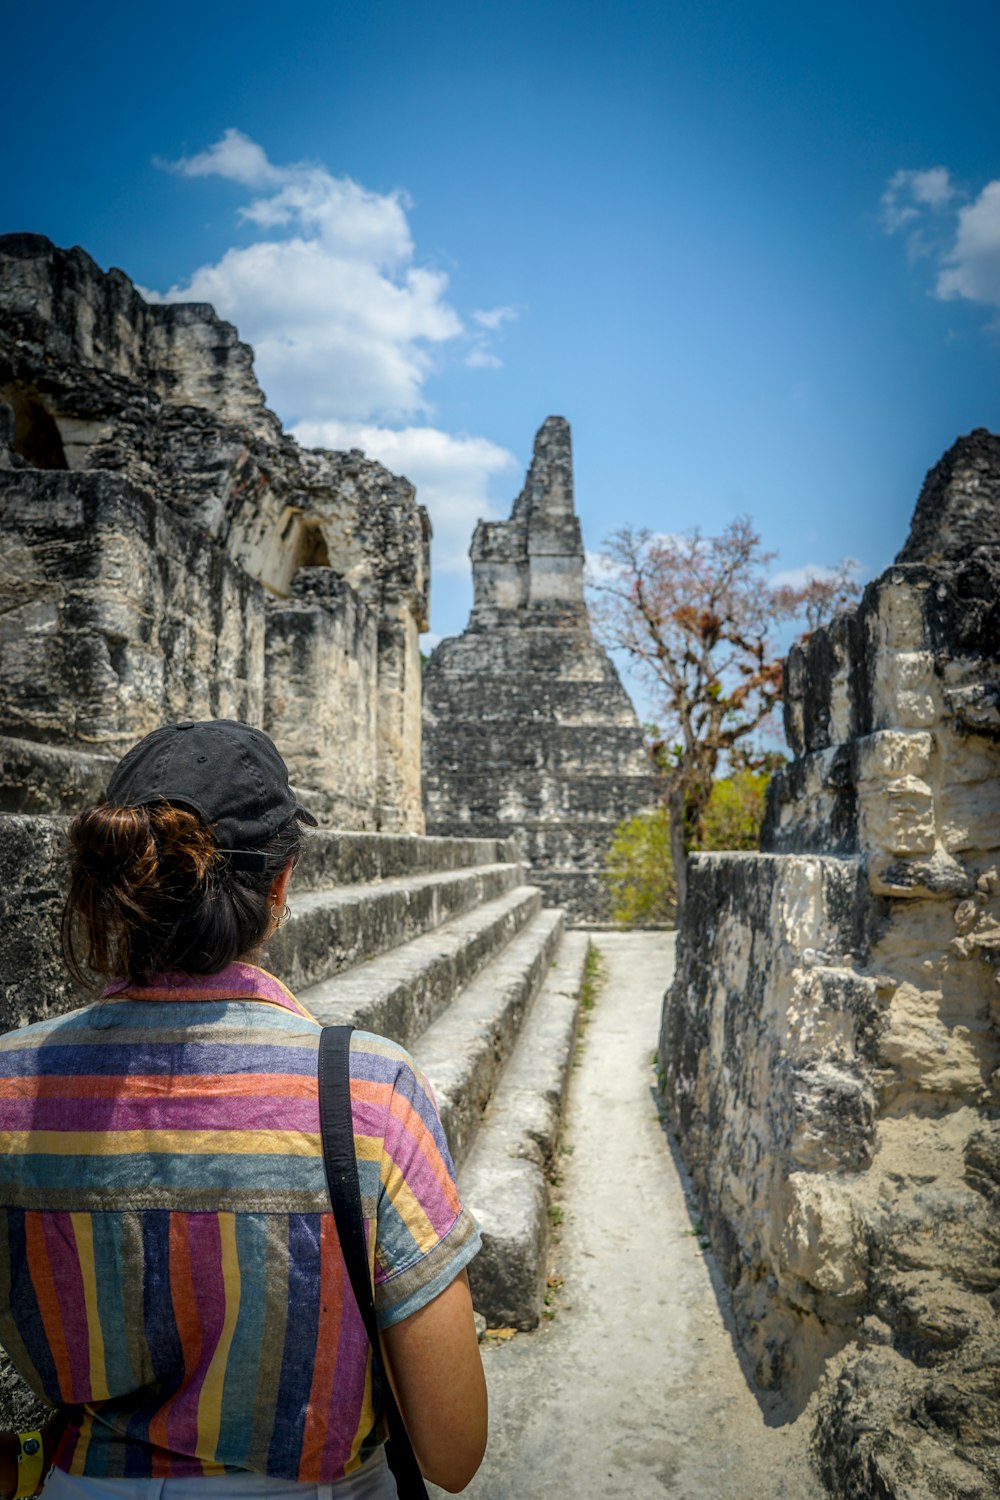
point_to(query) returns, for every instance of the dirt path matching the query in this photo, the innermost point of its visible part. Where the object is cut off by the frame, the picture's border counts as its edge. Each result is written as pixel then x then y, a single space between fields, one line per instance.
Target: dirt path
pixel 633 1388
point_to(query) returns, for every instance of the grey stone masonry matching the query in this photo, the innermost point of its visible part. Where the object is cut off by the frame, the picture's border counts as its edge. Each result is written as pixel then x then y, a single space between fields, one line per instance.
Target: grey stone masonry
pixel 527 728
pixel 167 550
pixel 830 1047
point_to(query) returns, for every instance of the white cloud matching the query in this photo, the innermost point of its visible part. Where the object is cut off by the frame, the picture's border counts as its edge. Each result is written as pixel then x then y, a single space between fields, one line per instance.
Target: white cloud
pixel 493 317
pixel 972 266
pixel 482 359
pixel 907 193
pixel 346 326
pixel 452 474
pixel 962 237
pixel 235 157
pixel 342 321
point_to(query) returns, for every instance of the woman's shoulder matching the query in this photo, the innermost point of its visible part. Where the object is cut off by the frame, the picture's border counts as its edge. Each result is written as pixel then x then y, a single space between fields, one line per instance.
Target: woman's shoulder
pixel 37 1033
pixel 379 1057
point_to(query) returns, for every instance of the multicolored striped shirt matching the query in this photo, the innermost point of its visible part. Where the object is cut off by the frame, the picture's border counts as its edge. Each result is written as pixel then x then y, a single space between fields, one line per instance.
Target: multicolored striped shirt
pixel 169 1261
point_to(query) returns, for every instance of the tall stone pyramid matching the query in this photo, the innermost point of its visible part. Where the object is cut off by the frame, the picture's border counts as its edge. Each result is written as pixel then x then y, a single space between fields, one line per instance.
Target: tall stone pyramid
pixel 527 728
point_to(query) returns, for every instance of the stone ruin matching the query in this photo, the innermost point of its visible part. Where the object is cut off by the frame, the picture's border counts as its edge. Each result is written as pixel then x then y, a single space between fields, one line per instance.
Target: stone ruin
pixel 167 552
pixel 170 553
pixel 830 1048
pixel 528 731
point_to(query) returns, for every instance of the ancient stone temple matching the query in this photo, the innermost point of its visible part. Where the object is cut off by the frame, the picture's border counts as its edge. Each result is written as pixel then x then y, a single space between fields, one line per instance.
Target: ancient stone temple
pixel 527 728
pixel 830 1048
pixel 169 553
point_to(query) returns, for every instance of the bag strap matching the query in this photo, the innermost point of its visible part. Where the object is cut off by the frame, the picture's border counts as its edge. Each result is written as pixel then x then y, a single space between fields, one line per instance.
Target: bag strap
pixel 340 1161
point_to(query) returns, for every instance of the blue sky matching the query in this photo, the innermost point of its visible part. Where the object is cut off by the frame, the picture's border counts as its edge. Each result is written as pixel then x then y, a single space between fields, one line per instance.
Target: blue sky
pixel 752 252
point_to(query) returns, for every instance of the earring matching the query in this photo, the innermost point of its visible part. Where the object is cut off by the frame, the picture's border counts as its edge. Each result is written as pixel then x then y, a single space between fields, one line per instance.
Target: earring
pixel 279 918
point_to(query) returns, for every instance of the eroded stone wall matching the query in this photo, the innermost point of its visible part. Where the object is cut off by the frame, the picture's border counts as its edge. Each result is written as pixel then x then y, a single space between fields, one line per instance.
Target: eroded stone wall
pixel 830 1047
pixel 528 731
pixel 151 506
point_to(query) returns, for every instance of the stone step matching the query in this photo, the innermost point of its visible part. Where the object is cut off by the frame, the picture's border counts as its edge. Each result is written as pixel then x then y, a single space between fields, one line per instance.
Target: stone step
pixel 535 795
pixel 39 778
pixel 402 992
pixel 555 700
pixel 543 651
pixel 466 1049
pixel 505 1181
pixel 332 929
pixel 333 857
pixel 537 747
pixel 358 922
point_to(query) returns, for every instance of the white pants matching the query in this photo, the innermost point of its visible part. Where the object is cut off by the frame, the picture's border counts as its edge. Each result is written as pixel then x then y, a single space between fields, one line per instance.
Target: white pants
pixel 373 1482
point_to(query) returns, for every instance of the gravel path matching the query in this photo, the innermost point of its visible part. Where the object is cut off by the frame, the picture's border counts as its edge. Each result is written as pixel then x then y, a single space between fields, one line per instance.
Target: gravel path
pixel 633 1388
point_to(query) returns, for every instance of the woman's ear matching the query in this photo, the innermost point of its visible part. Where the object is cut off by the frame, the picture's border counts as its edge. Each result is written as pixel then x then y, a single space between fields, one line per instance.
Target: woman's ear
pixel 279 886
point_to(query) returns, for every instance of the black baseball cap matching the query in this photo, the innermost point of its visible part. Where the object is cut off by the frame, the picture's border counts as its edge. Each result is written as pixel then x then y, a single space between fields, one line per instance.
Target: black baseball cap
pixel 229 773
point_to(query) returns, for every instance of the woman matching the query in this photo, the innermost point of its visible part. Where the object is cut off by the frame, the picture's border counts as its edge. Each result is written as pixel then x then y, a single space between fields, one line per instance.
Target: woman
pixel 170 1271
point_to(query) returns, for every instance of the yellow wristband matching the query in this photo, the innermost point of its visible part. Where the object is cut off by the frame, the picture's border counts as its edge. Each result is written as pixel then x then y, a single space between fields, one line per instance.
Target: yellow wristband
pixel 30 1462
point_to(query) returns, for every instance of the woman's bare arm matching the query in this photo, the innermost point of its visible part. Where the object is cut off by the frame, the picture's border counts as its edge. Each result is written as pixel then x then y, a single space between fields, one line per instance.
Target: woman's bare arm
pixel 433 1363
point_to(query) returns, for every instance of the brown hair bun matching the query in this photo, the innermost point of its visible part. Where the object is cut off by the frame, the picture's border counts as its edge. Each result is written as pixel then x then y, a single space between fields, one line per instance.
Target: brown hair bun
pixel 151 892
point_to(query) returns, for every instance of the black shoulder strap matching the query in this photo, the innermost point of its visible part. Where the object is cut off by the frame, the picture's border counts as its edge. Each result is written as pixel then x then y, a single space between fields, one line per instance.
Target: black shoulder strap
pixel 337 1126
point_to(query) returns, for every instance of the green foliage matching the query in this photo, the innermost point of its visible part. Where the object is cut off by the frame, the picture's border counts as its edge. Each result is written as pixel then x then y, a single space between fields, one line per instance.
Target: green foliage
pixel 734 812
pixel 594 975
pixel 639 871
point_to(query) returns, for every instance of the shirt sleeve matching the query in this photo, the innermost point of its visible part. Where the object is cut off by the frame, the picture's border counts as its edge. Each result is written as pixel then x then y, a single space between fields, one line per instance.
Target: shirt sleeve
pixel 424 1236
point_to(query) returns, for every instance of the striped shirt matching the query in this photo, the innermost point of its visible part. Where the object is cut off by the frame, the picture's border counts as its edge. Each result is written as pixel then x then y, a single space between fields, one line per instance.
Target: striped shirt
pixel 169 1262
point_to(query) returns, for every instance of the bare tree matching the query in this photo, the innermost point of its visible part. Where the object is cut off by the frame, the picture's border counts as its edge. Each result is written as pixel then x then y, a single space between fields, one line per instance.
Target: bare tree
pixel 698 618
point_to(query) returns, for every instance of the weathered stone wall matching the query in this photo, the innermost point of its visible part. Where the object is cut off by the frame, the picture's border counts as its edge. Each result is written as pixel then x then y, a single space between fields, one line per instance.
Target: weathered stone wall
pixel 830 1047
pixel 116 615
pixel 527 729
pixel 202 508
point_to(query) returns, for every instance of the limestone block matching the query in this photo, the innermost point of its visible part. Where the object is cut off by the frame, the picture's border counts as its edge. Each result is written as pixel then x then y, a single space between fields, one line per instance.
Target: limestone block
pixel 797 909
pixel 897 816
pixel 33 978
pixel 904 690
pixel 822 1243
pixel 812 805
pixel 891 753
pixel 977 922
pixel 900 614
pixel 45 779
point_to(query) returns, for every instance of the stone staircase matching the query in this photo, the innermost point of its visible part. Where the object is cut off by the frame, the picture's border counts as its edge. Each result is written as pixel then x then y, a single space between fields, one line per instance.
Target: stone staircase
pixel 435 942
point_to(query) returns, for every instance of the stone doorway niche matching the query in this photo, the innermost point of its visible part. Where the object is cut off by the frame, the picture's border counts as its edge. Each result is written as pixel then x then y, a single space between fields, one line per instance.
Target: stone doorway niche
pixel 36 436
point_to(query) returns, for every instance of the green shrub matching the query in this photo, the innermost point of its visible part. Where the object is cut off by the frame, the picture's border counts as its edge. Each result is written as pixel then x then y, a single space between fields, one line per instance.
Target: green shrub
pixel 639 871
pixel 735 811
